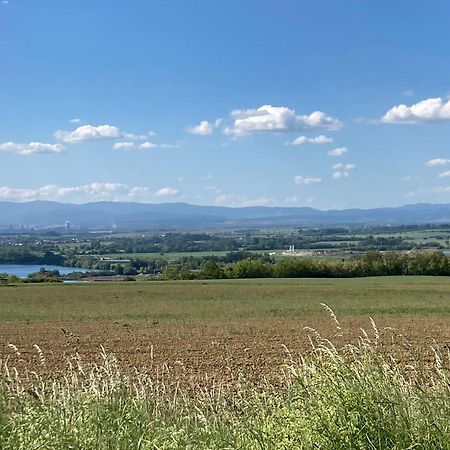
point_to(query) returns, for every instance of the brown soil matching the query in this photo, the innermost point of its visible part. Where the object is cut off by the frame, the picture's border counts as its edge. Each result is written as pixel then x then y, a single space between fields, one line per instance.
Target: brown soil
pixel 208 351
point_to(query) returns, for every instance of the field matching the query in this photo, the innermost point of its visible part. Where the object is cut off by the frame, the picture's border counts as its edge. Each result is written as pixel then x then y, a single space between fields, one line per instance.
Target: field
pixel 217 365
pixel 205 329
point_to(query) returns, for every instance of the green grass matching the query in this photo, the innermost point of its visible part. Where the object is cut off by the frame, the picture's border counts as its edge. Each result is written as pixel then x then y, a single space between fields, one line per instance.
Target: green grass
pixel 351 398
pixel 166 256
pixel 197 301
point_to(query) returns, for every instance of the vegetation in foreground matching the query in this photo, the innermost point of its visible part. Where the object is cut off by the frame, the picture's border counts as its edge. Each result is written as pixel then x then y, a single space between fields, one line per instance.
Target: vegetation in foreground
pixel 351 397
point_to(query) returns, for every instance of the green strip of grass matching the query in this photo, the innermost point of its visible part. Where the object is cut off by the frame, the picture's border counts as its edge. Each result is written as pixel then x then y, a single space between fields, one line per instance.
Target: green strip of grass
pixel 224 300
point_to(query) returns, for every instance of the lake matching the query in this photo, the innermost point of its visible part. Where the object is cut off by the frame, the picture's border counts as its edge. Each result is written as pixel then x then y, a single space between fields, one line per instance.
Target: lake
pixel 23 270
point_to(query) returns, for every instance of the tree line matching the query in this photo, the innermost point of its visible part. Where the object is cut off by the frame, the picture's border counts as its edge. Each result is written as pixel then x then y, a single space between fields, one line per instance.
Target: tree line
pixel 373 263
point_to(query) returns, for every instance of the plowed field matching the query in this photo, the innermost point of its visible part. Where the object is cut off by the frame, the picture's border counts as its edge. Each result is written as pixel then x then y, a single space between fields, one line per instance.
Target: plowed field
pixel 201 332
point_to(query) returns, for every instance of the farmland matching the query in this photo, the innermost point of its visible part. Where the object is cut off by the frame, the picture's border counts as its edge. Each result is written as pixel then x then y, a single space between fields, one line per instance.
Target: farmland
pixel 215 364
pixel 211 326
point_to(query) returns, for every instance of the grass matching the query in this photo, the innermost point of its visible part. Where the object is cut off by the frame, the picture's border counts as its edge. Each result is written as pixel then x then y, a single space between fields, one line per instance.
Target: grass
pixel 172 256
pixel 348 397
pixel 199 301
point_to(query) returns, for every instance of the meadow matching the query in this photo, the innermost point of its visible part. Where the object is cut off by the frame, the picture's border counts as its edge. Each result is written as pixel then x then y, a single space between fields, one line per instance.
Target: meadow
pixel 226 364
pixel 210 300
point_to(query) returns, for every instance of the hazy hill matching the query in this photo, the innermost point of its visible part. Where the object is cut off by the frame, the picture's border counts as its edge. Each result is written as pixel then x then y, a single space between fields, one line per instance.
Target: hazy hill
pixel 129 216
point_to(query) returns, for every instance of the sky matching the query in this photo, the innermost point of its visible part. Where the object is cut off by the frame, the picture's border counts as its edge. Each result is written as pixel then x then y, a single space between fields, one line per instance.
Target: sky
pixel 323 104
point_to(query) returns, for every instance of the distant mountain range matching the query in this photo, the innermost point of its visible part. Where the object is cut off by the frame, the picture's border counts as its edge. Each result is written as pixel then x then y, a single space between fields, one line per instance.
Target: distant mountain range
pixel 140 216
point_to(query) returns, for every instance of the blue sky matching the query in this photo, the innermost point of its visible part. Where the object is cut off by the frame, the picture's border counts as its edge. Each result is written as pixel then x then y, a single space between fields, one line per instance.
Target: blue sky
pixel 292 103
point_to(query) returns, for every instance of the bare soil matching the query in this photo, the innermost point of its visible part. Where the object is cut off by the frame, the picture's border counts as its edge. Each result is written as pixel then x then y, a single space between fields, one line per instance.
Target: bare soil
pixel 212 351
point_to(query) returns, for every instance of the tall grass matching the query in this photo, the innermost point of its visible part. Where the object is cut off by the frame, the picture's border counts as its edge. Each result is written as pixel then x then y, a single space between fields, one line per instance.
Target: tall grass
pixel 349 397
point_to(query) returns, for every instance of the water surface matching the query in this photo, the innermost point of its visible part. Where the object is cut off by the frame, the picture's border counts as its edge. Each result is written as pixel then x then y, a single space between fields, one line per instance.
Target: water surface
pixel 23 270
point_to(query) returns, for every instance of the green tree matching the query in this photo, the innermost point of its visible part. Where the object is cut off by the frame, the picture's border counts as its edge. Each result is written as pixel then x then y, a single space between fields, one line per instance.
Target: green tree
pixel 211 271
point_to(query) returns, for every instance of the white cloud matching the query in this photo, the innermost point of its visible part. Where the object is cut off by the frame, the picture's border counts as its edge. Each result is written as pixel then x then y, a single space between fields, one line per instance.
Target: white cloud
pixel 338 151
pixel 123 145
pixel 344 166
pixel 168 145
pixel 147 145
pixel 341 170
pixel 86 193
pixel 268 118
pixel 315 140
pixel 31 148
pixel 298 179
pixel 339 174
pixel 444 174
pixel 204 128
pixel 235 201
pixel 134 137
pixel 408 93
pixel 152 133
pixel 78 194
pixel 296 201
pixel 426 111
pixel 437 162
pixel 88 133
pixel 166 192
pixel 76 120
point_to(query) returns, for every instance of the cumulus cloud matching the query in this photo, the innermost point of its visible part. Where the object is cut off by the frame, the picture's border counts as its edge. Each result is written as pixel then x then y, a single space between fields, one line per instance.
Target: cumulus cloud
pixel 85 193
pixel 31 148
pixel 147 145
pixel 235 201
pixel 166 192
pixel 340 174
pixel 437 162
pixel 134 137
pixel 204 128
pixel 268 118
pixel 341 170
pixel 338 151
pixel 430 110
pixel 76 120
pixel 298 179
pixel 78 194
pixel 294 200
pixel 88 133
pixel 123 145
pixel 342 166
pixel 314 140
pixel 444 174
